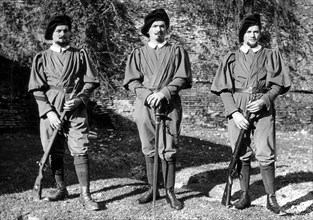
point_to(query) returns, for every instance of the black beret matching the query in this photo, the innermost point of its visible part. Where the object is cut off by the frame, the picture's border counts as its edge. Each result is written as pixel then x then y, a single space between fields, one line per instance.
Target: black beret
pixel 56 21
pixel 155 15
pixel 247 22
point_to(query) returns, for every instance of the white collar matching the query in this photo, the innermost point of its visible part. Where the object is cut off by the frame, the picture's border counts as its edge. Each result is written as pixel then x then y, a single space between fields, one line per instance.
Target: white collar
pixel 58 49
pixel 245 48
pixel 154 45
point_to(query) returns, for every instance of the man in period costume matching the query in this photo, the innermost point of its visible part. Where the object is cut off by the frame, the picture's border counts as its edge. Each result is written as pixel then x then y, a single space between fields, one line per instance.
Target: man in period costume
pixel 261 71
pixel 156 73
pixel 53 75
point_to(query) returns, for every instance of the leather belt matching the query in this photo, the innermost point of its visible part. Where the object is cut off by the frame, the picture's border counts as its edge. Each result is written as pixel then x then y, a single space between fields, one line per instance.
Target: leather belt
pixel 251 90
pixel 62 89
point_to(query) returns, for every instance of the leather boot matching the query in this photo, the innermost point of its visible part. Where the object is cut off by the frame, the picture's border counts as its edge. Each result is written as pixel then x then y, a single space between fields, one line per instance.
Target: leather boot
pixel 86 200
pixel 268 176
pixel 273 205
pixel 244 177
pixel 172 200
pixel 148 196
pixel 82 171
pixel 57 167
pixel 168 169
pixel 244 201
pixel 60 194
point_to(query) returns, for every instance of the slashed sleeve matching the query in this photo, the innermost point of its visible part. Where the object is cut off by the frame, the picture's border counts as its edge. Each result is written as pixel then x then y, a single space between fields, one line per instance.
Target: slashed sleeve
pixel 133 77
pixel 183 76
pixel 90 79
pixel 38 86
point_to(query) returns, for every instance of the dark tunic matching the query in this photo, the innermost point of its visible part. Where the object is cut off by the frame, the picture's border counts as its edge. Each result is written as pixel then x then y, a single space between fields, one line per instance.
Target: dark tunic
pixel 52 79
pixel 263 69
pixel 166 69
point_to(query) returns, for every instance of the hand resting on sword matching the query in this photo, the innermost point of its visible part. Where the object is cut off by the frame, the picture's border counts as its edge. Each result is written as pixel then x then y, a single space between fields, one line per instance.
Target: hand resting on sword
pixel 155 99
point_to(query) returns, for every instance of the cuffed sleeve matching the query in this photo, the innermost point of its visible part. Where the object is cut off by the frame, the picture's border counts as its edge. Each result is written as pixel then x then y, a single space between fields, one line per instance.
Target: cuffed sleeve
pixel 271 95
pixel 229 103
pixel 90 78
pixel 43 104
pixel 174 87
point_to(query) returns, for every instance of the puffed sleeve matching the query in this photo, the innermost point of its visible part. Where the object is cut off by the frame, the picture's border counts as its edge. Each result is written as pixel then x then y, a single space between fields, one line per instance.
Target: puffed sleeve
pixel 277 72
pixel 183 76
pixel 223 83
pixel 133 77
pixel 37 78
pixel 223 80
pixel 38 86
pixel 91 80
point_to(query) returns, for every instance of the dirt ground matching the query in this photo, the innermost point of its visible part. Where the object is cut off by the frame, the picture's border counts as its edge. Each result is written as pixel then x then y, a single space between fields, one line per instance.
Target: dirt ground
pixel 118 178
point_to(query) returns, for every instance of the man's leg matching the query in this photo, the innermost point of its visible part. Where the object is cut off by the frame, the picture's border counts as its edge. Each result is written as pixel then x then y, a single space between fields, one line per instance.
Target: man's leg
pixel 57 167
pixel 268 177
pixel 148 196
pixel 78 144
pixel 265 154
pixel 55 159
pixel 245 155
pixel 244 200
pixel 145 121
pixel 169 171
pixel 81 163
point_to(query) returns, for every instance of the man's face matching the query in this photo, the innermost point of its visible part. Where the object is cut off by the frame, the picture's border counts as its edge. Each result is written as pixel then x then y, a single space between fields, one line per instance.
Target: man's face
pixel 252 36
pixel 61 35
pixel 157 31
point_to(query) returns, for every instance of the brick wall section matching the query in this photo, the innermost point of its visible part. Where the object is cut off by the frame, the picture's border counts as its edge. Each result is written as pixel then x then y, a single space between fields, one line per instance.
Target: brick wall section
pixel 18 113
pixel 18 109
pixel 200 107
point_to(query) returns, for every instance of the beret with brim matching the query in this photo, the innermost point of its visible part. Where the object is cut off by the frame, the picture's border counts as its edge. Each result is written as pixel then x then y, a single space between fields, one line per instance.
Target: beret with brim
pixel 247 22
pixel 155 15
pixel 56 21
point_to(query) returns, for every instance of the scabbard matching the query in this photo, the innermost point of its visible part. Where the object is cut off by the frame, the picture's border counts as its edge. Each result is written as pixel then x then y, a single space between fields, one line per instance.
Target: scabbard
pixel 156 155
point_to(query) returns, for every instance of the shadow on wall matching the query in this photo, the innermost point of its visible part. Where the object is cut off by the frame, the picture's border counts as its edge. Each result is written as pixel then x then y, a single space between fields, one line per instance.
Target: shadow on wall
pixel 18 109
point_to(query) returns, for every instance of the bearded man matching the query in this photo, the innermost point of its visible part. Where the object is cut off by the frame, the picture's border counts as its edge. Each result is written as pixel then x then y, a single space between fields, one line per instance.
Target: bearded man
pixel 53 75
pixel 156 73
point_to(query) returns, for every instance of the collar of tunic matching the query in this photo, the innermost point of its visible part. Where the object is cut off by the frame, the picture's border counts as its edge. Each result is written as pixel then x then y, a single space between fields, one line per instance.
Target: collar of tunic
pixel 245 48
pixel 59 49
pixel 154 45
